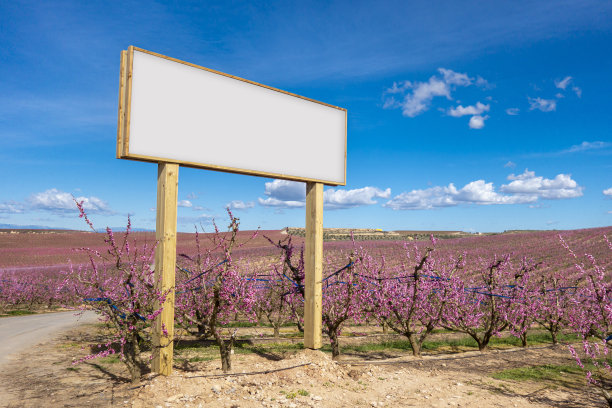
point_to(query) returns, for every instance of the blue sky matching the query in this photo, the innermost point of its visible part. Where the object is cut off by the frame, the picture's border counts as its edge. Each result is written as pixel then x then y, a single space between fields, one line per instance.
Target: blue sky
pixel 474 116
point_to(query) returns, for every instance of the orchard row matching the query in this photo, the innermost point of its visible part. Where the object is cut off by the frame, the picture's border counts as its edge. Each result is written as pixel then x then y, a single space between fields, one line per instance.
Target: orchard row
pixel 481 286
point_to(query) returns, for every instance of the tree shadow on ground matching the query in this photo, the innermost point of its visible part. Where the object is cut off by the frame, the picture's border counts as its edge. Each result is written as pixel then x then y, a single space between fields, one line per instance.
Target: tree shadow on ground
pixel 369 355
pixel 108 374
pixel 582 398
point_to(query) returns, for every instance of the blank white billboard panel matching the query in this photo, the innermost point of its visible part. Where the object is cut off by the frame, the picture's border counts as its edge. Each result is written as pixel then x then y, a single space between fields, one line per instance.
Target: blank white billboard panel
pixel 177 112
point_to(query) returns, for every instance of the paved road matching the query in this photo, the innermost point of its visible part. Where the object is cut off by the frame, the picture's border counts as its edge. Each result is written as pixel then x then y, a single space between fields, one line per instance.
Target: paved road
pixel 21 332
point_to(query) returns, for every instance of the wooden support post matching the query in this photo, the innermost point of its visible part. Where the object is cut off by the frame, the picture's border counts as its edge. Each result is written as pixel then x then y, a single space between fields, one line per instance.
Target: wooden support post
pixel 313 265
pixel 165 264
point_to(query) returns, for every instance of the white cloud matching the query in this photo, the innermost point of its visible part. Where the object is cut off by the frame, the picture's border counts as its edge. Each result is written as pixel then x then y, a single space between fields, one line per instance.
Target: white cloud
pixel 292 194
pixel 483 83
pixel 455 78
pixel 275 202
pixel 399 87
pixel 524 188
pixel 11 207
pixel 584 146
pixel 475 192
pixel 185 203
pixel 510 164
pixel 528 184
pixel 199 219
pixel 477 109
pixel 479 192
pixel 579 148
pixel 433 197
pixel 286 190
pixel 58 201
pixel 608 192
pixel 418 95
pixel 512 111
pixel 192 196
pixel 284 194
pixel 420 99
pixel 334 199
pixel 240 205
pixel 545 105
pixel 562 84
pixel 477 122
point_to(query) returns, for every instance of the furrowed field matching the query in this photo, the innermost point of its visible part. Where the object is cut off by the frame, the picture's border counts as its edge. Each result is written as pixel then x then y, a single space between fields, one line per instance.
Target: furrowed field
pixel 512 319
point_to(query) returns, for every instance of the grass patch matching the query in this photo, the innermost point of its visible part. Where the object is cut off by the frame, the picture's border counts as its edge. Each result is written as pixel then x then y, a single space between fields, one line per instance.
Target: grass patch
pixel 197 352
pixel 566 374
pixel 402 345
pixel 255 324
pixel 465 343
pixel 294 394
pixel 196 359
pixel 289 395
pixel 69 345
pixel 190 346
pixel 533 339
pixel 460 344
pixel 19 312
pixel 243 348
pixel 112 359
pixel 292 335
pixel 240 324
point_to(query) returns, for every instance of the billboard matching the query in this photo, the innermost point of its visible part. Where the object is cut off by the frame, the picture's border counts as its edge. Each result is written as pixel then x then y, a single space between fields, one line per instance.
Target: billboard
pixel 177 112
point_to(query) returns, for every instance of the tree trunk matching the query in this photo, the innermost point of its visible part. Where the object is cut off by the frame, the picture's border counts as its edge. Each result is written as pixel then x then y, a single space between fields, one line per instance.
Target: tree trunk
pixel 524 339
pixel 333 337
pixel 483 344
pixel 226 356
pixel 299 325
pixel 131 354
pixel 553 334
pixel 385 328
pixel 276 330
pixel 414 343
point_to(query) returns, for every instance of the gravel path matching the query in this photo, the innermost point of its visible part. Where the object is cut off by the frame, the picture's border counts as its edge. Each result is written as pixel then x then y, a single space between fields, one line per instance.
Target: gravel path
pixel 18 333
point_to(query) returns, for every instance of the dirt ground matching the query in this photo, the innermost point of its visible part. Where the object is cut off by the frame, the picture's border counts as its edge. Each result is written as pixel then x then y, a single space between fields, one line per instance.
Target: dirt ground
pixel 46 377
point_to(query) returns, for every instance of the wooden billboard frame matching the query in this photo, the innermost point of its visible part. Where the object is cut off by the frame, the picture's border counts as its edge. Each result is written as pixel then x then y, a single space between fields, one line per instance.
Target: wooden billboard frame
pixel 123 128
pixel 166 218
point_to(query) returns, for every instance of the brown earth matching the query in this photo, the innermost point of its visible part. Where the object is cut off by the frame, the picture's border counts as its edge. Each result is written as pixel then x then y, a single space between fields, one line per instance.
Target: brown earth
pixel 45 376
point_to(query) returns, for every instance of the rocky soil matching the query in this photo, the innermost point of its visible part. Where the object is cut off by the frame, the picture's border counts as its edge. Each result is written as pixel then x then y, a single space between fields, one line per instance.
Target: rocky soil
pixel 45 376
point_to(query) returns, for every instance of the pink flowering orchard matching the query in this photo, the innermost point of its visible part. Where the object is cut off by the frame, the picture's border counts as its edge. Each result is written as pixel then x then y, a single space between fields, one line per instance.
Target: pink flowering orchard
pixel 212 292
pixel 411 298
pixel 592 319
pixel 507 284
pixel 119 285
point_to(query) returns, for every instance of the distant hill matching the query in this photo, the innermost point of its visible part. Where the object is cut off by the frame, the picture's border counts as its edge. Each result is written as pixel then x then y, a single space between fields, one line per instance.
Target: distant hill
pixel 363 234
pixel 28 227
pixel 122 229
pixel 15 227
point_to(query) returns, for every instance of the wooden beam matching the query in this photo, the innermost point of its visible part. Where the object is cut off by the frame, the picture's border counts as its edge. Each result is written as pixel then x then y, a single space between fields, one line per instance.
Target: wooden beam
pixel 165 264
pixel 313 265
